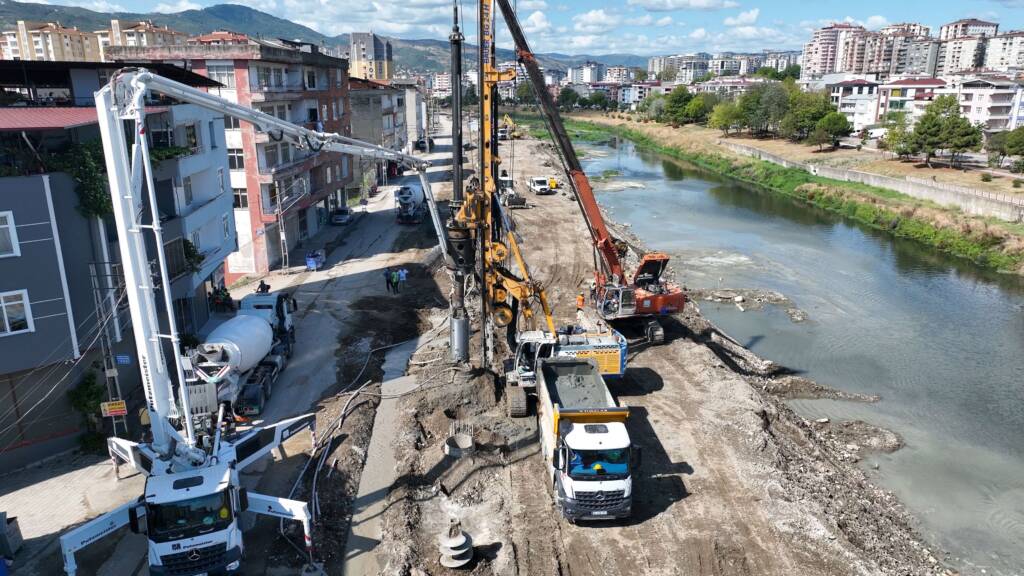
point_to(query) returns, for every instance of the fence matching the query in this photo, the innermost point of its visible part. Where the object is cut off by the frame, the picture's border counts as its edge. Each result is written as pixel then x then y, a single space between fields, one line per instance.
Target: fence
pixel 970 200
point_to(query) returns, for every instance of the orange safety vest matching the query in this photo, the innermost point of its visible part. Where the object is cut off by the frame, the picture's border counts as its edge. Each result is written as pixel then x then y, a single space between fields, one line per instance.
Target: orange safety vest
pixel 580 301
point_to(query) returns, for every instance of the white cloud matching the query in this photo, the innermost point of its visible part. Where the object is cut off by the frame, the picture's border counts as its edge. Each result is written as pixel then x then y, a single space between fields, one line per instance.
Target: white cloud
pixel 669 5
pixel 594 22
pixel 876 22
pixel 743 18
pixel 698 34
pixel 179 6
pixel 664 21
pixel 527 5
pixel 537 24
pixel 644 20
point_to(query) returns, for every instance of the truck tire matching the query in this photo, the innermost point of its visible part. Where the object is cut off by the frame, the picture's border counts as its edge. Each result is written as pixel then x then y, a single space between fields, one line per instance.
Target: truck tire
pixel 518 402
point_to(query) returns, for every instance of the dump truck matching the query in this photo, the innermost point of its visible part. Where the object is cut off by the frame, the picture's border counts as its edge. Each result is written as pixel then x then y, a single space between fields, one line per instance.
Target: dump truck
pixel 584 441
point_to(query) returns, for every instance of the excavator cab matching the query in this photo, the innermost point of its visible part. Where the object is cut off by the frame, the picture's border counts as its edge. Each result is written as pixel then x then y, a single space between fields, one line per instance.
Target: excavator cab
pixel 617 302
pixel 648 273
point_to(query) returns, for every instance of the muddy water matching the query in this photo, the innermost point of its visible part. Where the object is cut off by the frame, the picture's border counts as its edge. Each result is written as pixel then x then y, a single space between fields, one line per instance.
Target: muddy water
pixel 940 340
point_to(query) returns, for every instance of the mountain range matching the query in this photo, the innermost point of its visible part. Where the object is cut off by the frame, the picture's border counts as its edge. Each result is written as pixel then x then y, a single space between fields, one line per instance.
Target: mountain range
pixel 423 55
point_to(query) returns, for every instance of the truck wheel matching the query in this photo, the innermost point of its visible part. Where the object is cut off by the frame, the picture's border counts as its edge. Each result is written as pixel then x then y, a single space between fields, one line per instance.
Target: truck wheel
pixel 655 333
pixel 518 403
pixel 270 389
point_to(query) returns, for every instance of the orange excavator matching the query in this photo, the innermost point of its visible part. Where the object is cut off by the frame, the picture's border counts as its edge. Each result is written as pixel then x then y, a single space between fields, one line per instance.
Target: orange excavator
pixel 645 296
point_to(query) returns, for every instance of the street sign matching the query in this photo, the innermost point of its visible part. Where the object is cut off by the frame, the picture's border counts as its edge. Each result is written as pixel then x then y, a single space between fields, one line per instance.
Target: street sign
pixel 123 359
pixel 114 408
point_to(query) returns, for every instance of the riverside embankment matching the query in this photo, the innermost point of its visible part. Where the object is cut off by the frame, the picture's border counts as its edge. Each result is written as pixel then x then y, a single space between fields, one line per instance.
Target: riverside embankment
pixel 987 241
pixel 936 338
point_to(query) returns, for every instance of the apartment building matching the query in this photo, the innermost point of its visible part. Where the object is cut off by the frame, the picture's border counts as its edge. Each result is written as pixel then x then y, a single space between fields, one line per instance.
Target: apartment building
pixel 920 58
pixel 60 286
pixel 1005 52
pixel 49 41
pixel 724 66
pixel 968 27
pixel 826 51
pixel 587 73
pixel 909 95
pixel 912 29
pixel 137 33
pixel 370 56
pixel 728 86
pixel 857 100
pixel 553 77
pixel 378 117
pixel 633 94
pixel 960 54
pixel 780 60
pixel 618 75
pixel 689 65
pixel 282 194
pixel 415 104
pixel 441 84
pixel 986 101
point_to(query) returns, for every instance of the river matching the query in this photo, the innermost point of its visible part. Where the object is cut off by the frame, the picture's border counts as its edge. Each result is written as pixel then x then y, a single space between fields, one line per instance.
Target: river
pixel 939 339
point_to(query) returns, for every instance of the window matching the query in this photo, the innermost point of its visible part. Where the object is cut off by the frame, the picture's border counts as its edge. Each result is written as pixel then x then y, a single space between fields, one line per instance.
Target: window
pixel 226 226
pixel 8 236
pixel 191 138
pixel 311 79
pixel 195 240
pixel 161 136
pixel 15 313
pixel 236 161
pixel 311 115
pixel 186 183
pixel 223 73
pixel 278 77
pixel 264 77
pixel 270 155
pixel 231 123
pixel 329 174
pixel 241 197
pixel 213 135
pixel 220 179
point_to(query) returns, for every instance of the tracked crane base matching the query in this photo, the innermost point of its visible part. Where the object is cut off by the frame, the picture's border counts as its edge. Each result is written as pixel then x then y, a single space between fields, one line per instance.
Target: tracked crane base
pixel 732 481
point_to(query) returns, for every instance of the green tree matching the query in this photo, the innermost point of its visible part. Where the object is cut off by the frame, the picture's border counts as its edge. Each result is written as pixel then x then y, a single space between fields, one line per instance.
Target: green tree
pixel 704 77
pixel 928 135
pixel 805 110
pixel 755 115
pixel 819 136
pixel 470 97
pixel 1015 142
pixel 791 71
pixel 836 126
pixel 675 104
pixel 995 146
pixel 653 107
pixel 568 98
pixel 769 73
pixel 524 93
pixel 898 138
pixel 640 75
pixel 667 75
pixel 700 107
pixel 599 99
pixel 775 103
pixel 960 136
pixel 725 116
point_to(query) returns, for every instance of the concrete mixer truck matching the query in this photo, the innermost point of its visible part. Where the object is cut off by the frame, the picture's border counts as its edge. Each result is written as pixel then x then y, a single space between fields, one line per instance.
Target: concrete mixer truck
pixel 246 353
pixel 409 205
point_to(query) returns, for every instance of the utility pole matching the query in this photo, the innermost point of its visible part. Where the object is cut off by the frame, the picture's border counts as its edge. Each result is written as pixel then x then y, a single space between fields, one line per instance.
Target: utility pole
pixel 462 244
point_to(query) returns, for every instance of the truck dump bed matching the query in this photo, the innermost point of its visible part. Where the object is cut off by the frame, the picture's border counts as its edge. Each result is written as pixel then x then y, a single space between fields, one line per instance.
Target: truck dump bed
pixel 575 384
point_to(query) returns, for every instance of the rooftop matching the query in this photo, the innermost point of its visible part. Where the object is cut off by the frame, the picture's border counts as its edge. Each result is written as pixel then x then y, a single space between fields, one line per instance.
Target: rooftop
pixel 918 82
pixel 43 74
pixel 973 21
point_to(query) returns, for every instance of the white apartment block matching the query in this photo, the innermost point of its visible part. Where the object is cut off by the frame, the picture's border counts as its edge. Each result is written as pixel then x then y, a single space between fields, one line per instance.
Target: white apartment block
pixel 144 33
pixel 441 84
pixel 1005 52
pixel 857 100
pixel 968 27
pixel 910 95
pixel 907 29
pixel 51 42
pixel 988 102
pixel 618 75
pixel 724 66
pixel 960 54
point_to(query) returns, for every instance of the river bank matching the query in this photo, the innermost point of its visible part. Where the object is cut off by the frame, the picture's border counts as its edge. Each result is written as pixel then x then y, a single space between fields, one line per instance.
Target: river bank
pixel 990 243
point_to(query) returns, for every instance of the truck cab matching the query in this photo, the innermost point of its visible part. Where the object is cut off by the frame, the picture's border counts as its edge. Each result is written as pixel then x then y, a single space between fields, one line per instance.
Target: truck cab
pixel 277 308
pixel 191 521
pixel 584 440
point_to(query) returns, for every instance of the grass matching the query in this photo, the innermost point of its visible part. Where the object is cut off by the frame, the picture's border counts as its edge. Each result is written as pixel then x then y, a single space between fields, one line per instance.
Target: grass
pixel 879 208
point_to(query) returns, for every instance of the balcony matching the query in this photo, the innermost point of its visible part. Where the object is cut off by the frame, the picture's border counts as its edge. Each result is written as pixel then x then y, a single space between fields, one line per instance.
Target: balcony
pixel 283 167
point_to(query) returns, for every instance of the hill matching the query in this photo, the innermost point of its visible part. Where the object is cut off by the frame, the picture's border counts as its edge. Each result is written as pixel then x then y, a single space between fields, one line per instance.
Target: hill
pixel 424 55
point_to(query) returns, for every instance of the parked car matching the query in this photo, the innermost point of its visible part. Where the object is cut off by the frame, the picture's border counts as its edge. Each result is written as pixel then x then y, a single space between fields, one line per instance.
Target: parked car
pixel 251 400
pixel 540 186
pixel 421 144
pixel 341 216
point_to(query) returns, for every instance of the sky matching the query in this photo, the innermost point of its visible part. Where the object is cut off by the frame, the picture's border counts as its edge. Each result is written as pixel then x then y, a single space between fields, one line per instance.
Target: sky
pixel 643 27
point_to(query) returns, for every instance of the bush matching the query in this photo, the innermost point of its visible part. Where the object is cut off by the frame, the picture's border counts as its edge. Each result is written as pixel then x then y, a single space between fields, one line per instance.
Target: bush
pixel 1018 183
pixel 1018 167
pixel 986 177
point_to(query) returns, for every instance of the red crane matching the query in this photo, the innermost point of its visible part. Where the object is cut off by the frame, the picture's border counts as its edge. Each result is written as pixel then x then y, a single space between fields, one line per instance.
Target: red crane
pixel 646 295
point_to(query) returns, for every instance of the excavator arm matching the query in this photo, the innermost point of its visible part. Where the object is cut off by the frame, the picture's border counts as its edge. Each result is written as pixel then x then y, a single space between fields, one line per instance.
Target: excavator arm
pixel 584 193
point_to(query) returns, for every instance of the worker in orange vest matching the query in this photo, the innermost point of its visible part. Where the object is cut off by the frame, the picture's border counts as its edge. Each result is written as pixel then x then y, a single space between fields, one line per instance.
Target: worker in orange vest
pixel 581 301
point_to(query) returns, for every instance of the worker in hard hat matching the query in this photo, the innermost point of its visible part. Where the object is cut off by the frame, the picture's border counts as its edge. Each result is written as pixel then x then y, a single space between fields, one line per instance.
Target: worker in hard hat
pixel 581 301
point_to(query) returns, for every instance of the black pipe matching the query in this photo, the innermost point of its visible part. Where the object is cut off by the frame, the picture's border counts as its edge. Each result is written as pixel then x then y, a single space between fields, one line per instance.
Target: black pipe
pixel 456 38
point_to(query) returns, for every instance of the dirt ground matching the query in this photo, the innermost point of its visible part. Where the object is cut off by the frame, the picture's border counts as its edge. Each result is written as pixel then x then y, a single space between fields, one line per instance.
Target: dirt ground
pixel 698 138
pixel 733 482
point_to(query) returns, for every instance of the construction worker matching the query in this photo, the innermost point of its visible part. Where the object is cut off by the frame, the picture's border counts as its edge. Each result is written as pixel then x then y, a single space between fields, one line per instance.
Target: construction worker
pixel 581 301
pixel 387 279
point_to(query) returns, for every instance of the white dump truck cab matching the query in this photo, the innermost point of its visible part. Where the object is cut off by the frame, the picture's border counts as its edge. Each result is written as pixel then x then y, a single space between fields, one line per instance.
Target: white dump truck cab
pixel 593 471
pixel 191 521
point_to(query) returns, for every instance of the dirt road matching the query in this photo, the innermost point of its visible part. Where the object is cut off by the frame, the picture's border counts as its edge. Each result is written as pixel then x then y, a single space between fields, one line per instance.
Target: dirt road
pixel 732 482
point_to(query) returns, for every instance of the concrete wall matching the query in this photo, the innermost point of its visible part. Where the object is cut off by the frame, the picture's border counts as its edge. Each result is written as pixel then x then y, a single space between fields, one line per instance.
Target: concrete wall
pixel 970 200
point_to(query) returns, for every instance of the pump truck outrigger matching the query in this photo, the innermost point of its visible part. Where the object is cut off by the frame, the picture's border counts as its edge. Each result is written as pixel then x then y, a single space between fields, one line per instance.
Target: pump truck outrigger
pixel 192 500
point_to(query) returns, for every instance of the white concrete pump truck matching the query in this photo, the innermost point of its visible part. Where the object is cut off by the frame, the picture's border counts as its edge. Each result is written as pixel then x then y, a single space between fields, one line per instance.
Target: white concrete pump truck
pixel 190 509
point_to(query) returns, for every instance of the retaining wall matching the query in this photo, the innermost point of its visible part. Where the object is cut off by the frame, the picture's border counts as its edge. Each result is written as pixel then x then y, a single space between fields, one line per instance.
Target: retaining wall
pixel 970 200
